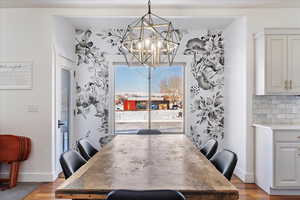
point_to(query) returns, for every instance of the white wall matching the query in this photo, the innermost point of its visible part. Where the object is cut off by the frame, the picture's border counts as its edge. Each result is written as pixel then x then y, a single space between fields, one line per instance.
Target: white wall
pixel 26 35
pixel 64 38
pixel 235 95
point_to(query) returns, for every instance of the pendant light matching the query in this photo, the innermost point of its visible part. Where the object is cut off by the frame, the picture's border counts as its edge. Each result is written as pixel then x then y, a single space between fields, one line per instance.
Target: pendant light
pixel 151 40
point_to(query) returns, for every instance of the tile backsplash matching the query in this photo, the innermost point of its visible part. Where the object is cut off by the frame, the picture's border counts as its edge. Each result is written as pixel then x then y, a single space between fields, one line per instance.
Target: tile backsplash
pixel 276 109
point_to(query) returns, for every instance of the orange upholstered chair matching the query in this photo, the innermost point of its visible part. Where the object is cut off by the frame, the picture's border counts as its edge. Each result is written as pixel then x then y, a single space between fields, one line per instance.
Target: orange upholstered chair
pixel 13 150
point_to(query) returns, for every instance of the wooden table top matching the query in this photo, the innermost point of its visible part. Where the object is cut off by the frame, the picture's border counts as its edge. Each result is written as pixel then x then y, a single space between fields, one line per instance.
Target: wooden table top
pixel 148 162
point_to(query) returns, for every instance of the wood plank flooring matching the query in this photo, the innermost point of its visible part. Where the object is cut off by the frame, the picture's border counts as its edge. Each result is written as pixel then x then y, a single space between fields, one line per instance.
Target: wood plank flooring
pixel 246 191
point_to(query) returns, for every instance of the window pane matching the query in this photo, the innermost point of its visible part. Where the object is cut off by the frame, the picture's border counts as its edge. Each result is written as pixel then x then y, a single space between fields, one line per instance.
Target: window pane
pixel 132 99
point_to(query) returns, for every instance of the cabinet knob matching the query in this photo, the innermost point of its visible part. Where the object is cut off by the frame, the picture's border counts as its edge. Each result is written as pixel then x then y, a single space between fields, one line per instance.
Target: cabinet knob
pixel 298 137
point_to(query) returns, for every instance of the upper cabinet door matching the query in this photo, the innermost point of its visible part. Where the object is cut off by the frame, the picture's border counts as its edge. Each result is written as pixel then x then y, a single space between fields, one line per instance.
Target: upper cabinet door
pixel 294 63
pixel 276 64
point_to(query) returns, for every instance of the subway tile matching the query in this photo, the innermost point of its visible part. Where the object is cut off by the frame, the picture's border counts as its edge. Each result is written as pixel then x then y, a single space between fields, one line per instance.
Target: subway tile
pixel 276 109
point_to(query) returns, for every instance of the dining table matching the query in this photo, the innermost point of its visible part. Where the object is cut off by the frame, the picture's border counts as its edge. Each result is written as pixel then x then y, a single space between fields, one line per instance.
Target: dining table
pixel 148 162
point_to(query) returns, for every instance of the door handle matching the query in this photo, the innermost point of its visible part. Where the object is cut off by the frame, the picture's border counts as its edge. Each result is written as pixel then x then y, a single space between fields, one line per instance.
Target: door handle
pixel 291 86
pixel 60 123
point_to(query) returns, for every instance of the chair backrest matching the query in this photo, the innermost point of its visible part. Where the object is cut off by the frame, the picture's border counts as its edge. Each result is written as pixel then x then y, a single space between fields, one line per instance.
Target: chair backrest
pixel 70 162
pixel 210 148
pixel 225 161
pixel 149 132
pixel 86 149
pixel 145 195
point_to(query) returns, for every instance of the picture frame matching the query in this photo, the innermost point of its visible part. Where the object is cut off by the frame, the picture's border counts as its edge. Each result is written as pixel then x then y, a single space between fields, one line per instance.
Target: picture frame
pixel 16 75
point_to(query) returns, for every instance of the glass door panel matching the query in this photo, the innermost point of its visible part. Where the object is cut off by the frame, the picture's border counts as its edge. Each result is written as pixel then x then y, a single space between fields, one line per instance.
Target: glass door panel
pixel 167 99
pixel 131 99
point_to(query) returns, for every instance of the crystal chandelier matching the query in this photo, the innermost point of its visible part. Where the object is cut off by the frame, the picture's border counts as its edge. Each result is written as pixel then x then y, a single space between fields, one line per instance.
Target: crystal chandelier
pixel 151 40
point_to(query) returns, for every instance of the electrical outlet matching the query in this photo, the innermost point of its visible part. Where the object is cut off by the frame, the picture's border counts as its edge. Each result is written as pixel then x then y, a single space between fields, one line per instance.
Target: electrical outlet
pixel 33 108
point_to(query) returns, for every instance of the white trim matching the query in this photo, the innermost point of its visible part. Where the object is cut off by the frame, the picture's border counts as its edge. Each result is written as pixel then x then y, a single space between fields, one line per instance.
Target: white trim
pixel 62 63
pixel 66 58
pixel 113 59
pixel 34 176
pixel 284 192
pixel 246 177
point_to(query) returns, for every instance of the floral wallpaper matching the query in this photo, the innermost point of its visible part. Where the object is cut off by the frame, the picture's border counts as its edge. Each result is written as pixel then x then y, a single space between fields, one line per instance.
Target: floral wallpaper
pixel 207 70
pixel 92 92
pixel 206 89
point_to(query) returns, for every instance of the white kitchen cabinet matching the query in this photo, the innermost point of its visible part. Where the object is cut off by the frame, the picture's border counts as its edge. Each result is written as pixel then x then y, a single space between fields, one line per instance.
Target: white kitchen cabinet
pixel 294 63
pixel 277 158
pixel 287 164
pixel 277 62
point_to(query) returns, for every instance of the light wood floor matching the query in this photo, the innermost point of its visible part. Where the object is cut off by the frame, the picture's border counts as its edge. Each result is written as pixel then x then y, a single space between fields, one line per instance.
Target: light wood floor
pixel 247 192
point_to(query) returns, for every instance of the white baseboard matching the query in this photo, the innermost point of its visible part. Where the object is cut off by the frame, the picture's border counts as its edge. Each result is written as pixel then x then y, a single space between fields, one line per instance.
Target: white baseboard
pixel 56 173
pixel 33 176
pixel 284 192
pixel 246 177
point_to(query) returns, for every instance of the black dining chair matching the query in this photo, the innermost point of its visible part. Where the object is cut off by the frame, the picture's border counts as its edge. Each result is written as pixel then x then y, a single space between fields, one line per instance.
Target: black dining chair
pixel 70 162
pixel 225 161
pixel 149 132
pixel 210 148
pixel 145 195
pixel 86 149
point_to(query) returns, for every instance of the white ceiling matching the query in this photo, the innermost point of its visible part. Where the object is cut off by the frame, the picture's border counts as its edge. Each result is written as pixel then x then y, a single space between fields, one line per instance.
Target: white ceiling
pixel 156 3
pixel 185 23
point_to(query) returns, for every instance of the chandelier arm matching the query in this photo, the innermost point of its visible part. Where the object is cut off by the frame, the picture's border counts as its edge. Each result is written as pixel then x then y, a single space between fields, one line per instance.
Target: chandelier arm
pixel 155 30
pixel 162 37
pixel 125 34
pixel 141 31
pixel 137 58
pixel 172 61
pixel 137 20
pixel 176 32
pixel 165 39
pixel 169 59
pixel 146 60
pixel 164 19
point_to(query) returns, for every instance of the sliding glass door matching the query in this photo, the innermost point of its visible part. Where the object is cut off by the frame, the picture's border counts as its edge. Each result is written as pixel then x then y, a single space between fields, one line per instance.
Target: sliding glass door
pixel 149 98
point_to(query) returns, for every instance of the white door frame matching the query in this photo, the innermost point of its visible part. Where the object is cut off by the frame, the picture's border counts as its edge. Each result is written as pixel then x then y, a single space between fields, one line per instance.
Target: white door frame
pixel 184 60
pixel 62 62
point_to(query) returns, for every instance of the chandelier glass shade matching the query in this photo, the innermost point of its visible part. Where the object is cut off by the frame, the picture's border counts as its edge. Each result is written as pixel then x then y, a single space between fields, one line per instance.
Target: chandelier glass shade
pixel 151 40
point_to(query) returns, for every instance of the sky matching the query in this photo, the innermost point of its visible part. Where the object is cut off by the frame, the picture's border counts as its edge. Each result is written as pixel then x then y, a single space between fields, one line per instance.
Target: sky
pixel 134 79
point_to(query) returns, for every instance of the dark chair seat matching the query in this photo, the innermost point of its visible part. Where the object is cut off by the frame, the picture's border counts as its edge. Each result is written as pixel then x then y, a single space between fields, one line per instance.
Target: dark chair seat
pixel 148 132
pixel 145 195
pixel 210 148
pixel 70 162
pixel 86 149
pixel 225 161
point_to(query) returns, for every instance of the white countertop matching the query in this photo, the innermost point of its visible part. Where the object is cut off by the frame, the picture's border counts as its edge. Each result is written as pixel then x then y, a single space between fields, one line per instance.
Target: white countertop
pixel 278 126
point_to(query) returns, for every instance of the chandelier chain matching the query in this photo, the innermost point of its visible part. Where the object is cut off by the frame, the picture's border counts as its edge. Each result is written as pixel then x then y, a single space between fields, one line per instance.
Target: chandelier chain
pixel 149 7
